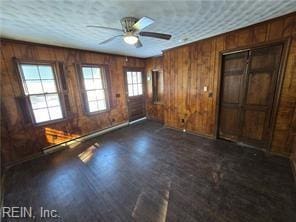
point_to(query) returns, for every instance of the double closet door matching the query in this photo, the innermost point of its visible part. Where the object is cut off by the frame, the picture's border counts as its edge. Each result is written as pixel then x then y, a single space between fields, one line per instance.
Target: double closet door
pixel 249 80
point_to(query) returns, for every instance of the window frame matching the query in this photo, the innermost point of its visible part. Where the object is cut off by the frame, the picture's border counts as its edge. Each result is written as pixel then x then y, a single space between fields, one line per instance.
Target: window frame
pixel 57 78
pixel 135 69
pixel 155 78
pixel 105 83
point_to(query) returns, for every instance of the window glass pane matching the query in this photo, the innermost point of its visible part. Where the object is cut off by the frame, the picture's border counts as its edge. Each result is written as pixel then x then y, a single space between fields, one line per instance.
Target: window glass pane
pixel 30 72
pixel 135 89
pixel 53 100
pixel 134 77
pixel 100 94
pixel 38 101
pixel 130 90
pixel 94 86
pixel 96 72
pixel 139 77
pixel 102 104
pixel 98 84
pixel 87 73
pixel 49 86
pixel 46 72
pixel 55 112
pixel 41 115
pixel 89 84
pixel 140 90
pixel 39 80
pixel 93 106
pixel 129 78
pixel 34 87
pixel 91 95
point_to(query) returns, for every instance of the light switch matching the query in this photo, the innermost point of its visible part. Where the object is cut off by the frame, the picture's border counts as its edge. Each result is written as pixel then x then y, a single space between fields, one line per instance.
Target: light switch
pixel 205 88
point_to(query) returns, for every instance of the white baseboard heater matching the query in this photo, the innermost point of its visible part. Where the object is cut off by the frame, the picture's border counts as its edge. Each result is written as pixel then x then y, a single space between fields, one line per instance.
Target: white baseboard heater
pixel 77 140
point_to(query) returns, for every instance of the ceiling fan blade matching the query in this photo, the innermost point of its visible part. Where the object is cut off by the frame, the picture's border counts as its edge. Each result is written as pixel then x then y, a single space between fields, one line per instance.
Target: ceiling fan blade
pixel 155 35
pixel 138 44
pixel 103 27
pixel 143 23
pixel 110 39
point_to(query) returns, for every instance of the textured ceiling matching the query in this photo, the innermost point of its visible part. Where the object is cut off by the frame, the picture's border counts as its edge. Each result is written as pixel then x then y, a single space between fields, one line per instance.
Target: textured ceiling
pixel 63 23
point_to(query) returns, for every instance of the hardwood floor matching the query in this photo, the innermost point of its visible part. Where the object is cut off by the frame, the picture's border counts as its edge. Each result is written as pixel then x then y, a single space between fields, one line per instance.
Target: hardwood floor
pixel 145 172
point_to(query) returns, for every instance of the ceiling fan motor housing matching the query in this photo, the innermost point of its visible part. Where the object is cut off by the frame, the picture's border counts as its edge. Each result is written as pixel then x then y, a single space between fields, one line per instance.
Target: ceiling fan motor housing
pixel 127 23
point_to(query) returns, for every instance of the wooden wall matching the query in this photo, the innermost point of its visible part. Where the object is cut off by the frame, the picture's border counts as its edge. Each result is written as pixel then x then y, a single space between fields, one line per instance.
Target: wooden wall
pixel 19 140
pixel 189 68
pixel 186 69
pixel 154 110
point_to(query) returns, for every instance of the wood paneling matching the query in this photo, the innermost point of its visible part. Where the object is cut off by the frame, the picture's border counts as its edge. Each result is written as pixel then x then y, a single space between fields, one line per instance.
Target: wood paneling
pixel 189 68
pixel 155 111
pixel 20 140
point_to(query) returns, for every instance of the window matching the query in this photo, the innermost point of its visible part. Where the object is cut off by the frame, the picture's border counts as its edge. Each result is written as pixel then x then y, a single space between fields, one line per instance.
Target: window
pixel 134 83
pixel 95 88
pixel 41 89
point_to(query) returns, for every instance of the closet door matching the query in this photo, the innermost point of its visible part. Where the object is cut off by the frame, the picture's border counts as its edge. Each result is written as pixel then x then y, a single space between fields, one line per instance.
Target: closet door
pixel 259 94
pixel 248 88
pixel 233 78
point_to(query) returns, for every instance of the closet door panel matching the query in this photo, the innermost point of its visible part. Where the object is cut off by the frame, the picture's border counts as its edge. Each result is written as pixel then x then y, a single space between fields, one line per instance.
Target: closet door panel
pixel 233 75
pixel 253 128
pixel 231 88
pixel 259 89
pixel 259 96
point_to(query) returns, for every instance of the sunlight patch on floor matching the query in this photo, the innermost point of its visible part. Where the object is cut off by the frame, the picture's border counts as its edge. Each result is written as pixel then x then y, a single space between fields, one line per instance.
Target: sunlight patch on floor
pixel 87 154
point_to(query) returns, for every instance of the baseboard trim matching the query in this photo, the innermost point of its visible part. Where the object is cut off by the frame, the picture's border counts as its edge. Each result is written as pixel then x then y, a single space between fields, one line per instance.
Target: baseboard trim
pixel 191 132
pixel 25 159
pixel 278 154
pixel 137 120
pixel 155 119
pixel 212 137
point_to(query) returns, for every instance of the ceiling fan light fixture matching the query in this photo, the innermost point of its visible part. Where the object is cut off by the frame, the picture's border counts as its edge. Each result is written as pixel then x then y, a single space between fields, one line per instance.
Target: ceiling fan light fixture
pixel 132 30
pixel 130 39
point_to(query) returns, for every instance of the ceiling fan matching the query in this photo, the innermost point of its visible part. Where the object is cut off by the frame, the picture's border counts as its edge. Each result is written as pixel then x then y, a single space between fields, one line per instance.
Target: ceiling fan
pixel 131 28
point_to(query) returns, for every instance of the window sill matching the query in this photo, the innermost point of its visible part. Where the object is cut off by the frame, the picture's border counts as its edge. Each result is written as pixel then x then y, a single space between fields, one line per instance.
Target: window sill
pixel 90 114
pixel 50 122
pixel 56 121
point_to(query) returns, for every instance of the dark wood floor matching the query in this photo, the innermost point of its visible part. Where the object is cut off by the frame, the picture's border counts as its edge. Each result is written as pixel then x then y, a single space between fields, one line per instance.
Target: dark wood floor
pixel 149 173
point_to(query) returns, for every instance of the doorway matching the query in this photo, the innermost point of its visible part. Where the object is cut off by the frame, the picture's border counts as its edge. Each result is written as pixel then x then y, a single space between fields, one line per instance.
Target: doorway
pixel 135 93
pixel 248 85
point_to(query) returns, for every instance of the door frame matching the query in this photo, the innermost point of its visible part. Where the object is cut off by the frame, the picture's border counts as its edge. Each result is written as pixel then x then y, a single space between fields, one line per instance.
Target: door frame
pixel 136 69
pixel 286 42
